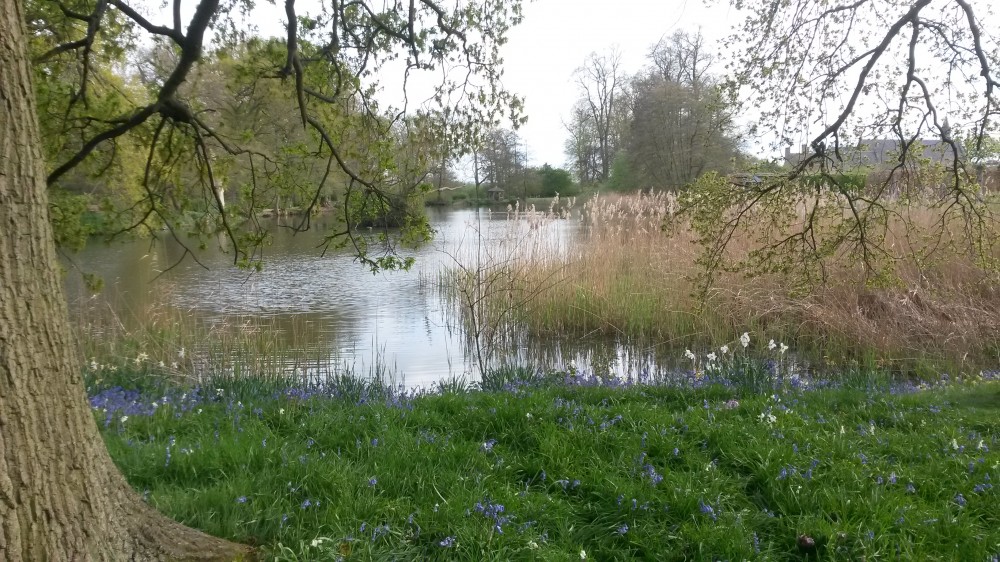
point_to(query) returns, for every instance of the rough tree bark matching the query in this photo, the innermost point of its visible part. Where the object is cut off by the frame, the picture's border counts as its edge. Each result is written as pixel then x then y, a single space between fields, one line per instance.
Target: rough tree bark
pixel 61 497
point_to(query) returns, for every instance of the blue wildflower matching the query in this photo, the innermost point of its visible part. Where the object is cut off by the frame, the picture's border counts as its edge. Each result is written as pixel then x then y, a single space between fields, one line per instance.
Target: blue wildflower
pixel 707 510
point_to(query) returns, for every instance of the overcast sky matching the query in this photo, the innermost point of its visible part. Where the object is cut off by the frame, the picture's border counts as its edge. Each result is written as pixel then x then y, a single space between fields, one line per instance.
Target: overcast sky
pixel 555 39
pixel 557 35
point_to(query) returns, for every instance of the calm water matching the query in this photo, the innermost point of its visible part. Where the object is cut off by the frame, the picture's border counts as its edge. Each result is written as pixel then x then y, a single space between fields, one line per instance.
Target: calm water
pixel 334 309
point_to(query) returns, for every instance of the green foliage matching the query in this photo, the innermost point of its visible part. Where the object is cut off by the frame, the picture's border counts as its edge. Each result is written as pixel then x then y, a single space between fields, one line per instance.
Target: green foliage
pixel 622 178
pixel 67 213
pixel 255 127
pixel 556 181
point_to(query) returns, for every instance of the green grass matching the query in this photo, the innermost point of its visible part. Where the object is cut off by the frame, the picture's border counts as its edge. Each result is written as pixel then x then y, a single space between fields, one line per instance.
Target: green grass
pixel 645 472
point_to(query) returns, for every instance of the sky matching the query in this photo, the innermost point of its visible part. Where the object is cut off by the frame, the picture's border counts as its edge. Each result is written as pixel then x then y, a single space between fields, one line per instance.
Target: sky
pixel 556 37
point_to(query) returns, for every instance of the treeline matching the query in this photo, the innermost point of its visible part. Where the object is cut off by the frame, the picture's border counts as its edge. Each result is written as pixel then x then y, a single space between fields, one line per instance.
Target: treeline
pixel 660 128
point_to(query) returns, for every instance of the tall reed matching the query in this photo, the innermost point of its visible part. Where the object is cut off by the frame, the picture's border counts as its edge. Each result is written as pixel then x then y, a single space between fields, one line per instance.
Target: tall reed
pixel 627 278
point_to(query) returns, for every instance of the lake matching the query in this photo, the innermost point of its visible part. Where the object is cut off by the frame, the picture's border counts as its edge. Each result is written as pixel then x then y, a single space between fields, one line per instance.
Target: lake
pixel 329 308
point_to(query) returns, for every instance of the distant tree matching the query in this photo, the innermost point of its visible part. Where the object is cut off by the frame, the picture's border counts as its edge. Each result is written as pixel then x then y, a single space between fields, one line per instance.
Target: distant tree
pixel 61 497
pixel 555 181
pixel 581 145
pixel 839 72
pixel 603 106
pixel 623 176
pixel 681 125
pixel 501 161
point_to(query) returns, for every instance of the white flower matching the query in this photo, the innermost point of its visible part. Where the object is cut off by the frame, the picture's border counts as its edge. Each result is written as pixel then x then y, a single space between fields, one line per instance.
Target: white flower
pixel 954 444
pixel 316 542
pixel 281 411
pixel 724 349
pixel 181 353
pixel 783 348
pixel 199 410
pixel 771 345
pixel 689 355
pixel 745 339
pixel 583 555
pixel 532 545
pixel 93 364
pixel 219 391
pixel 174 365
pixel 162 364
pixel 528 415
pixel 141 357
pixel 124 419
pixel 711 356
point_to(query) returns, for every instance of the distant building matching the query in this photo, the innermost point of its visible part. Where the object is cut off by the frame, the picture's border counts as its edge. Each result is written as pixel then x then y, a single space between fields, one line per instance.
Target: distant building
pixel 880 154
pixel 495 193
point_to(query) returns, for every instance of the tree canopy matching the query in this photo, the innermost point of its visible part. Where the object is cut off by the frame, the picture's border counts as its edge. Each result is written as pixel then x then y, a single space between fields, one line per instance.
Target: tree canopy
pixel 190 116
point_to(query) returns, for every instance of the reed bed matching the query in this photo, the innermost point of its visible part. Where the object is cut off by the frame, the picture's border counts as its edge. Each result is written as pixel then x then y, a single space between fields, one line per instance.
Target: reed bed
pixel 627 278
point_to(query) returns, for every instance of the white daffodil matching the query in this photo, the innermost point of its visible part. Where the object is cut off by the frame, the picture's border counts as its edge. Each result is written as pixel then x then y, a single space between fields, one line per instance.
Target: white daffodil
pixel 783 348
pixel 689 355
pixel 711 356
pixel 745 339
pixel 724 349
pixel 771 345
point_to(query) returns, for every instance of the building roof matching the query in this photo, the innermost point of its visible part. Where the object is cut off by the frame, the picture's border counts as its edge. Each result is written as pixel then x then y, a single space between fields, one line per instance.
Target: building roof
pixel 882 153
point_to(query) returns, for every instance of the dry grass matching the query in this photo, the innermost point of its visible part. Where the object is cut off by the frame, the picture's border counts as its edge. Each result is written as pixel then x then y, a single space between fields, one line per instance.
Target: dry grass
pixel 627 278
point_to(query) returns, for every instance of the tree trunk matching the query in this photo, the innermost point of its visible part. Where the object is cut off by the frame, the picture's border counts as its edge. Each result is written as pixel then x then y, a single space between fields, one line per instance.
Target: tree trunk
pixel 61 497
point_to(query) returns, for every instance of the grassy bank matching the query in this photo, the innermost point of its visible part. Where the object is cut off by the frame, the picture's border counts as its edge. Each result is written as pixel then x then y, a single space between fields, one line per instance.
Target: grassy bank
pixel 627 278
pixel 566 467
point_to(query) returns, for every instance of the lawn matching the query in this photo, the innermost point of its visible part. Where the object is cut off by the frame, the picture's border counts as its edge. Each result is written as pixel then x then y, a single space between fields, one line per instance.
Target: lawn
pixel 570 467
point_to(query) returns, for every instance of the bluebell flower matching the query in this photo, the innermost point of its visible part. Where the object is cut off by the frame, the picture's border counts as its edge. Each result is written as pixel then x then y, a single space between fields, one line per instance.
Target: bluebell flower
pixel 241 499
pixel 707 510
pixel 960 500
pixel 372 481
pixel 448 542
pixel 623 529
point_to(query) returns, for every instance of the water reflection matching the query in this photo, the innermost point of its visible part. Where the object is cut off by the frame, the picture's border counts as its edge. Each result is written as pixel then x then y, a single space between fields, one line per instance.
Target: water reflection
pixel 333 310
